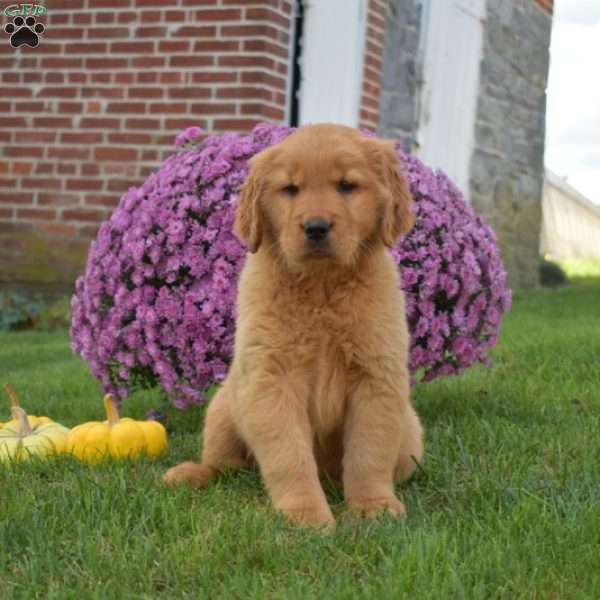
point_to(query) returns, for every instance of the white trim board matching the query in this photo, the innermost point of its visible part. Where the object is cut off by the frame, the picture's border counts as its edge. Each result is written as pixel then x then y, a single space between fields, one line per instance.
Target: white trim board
pixel 332 61
pixel 453 48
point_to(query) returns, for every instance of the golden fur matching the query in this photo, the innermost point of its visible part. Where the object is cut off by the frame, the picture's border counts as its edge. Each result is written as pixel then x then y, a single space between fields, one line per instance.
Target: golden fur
pixel 319 382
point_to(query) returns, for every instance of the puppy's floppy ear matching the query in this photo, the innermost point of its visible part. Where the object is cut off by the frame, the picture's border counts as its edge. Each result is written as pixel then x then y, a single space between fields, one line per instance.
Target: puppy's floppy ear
pixel 397 218
pixel 248 225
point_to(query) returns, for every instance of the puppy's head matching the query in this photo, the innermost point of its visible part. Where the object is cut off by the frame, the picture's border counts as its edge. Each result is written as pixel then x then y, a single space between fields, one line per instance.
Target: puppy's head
pixel 326 193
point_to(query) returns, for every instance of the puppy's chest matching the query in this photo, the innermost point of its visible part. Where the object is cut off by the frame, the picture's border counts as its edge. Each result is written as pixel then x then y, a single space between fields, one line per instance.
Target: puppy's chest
pixel 323 343
pixel 321 338
pixel 322 324
pixel 331 375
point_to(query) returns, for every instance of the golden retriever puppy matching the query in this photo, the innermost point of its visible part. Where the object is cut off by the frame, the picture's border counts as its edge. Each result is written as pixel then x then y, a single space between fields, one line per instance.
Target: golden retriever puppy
pixel 319 382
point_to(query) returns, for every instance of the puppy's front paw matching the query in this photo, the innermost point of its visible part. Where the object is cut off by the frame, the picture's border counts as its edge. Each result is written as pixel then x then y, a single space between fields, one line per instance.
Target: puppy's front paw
pixel 319 518
pixel 372 507
pixel 188 472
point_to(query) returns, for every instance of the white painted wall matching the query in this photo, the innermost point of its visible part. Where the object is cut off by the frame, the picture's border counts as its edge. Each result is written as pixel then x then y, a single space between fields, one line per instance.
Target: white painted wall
pixel 332 61
pixel 453 47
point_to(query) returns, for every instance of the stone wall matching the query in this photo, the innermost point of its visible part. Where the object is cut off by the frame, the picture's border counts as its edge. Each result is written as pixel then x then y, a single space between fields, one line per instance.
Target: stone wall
pixel 507 168
pixel 507 162
pixel 401 77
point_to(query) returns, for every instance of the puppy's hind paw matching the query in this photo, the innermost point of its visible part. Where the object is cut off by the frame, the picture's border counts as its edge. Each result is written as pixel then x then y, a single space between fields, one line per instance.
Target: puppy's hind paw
pixel 189 473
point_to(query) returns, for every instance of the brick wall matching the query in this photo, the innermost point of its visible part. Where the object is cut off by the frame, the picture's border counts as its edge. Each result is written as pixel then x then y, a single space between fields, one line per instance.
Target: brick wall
pixel 95 107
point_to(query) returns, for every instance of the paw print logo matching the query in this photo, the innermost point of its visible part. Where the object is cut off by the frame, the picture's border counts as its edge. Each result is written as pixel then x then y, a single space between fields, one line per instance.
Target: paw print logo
pixel 24 32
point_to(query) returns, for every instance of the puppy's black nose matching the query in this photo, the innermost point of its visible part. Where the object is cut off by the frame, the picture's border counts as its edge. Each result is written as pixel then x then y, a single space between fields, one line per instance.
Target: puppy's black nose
pixel 316 230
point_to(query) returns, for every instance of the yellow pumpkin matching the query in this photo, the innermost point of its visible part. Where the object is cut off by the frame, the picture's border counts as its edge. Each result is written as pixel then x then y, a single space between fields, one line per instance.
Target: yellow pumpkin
pixel 14 400
pixel 19 439
pixel 117 437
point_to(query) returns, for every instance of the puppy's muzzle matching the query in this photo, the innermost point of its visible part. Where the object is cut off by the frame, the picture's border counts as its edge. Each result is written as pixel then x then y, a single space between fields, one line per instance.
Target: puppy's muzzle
pixel 316 230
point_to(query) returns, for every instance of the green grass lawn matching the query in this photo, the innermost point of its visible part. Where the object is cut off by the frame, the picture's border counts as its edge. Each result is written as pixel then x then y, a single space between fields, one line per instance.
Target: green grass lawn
pixel 507 504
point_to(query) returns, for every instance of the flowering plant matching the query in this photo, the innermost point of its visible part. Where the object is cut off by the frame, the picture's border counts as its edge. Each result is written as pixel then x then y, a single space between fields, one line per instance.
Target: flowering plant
pixel 156 304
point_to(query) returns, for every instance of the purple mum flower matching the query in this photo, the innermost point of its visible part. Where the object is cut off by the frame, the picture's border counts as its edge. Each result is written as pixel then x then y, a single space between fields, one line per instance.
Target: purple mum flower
pixel 156 304
pixel 187 136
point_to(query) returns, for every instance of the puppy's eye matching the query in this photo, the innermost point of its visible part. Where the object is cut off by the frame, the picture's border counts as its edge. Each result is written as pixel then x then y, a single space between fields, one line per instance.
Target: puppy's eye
pixel 346 187
pixel 291 189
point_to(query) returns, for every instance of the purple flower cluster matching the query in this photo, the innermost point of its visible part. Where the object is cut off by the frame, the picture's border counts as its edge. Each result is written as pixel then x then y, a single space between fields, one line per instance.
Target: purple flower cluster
pixel 156 304
pixel 452 275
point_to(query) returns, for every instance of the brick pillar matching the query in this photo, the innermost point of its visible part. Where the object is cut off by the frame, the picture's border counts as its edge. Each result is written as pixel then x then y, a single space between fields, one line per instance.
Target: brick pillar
pixel 373 65
pixel 546 5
